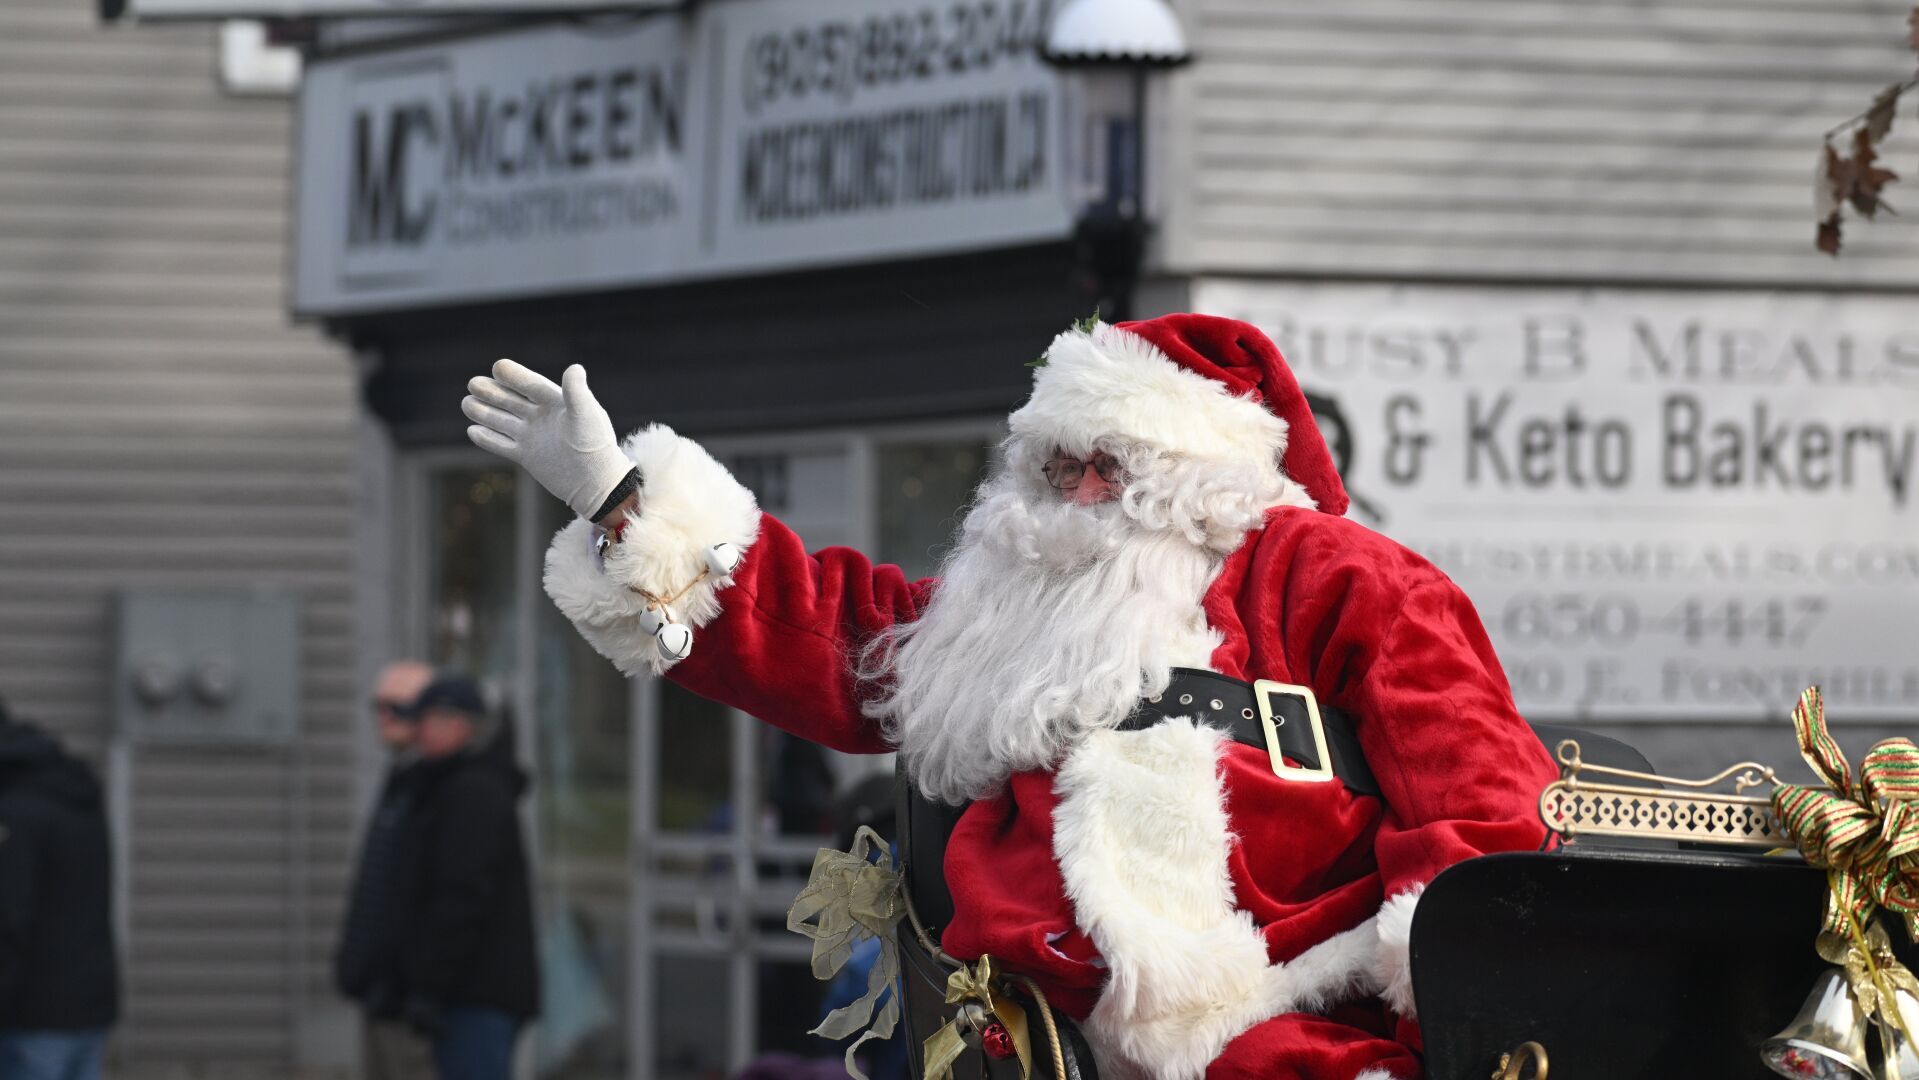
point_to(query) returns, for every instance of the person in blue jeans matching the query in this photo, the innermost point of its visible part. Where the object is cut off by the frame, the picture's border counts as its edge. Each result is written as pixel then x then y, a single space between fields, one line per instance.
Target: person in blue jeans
pixel 59 983
pixel 468 973
pixel 52 1055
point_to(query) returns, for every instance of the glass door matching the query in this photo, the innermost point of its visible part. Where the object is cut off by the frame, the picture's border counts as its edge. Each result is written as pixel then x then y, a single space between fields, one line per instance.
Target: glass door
pixel 583 745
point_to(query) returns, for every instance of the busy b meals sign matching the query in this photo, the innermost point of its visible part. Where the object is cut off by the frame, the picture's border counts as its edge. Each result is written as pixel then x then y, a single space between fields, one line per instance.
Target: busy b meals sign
pixel 1663 503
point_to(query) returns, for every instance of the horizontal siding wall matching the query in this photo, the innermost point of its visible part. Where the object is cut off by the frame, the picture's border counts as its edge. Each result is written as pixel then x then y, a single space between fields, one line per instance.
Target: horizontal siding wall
pixel 162 426
pixel 1585 140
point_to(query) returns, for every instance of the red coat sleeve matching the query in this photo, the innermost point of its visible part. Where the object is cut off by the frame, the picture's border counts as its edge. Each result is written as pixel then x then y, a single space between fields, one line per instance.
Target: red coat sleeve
pixel 1381 633
pixel 789 635
pixel 1459 769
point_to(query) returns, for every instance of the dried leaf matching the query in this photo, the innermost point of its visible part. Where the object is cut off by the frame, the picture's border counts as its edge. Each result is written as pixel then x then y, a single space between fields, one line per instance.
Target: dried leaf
pixel 1879 116
pixel 1829 235
pixel 1867 177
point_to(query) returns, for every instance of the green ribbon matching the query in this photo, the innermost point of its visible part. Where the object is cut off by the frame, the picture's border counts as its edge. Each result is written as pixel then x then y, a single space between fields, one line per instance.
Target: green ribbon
pixel 850 897
pixel 1865 830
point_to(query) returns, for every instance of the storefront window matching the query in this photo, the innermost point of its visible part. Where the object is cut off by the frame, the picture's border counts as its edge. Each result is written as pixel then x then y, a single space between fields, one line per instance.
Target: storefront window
pixel 923 492
pixel 696 761
pixel 470 608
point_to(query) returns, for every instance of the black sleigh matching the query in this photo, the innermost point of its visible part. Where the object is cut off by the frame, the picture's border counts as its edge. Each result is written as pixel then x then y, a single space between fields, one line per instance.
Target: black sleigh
pixel 1661 952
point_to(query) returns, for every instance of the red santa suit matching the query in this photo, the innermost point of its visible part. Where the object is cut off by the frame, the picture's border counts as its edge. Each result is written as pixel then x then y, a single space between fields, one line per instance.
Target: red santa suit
pixel 1201 914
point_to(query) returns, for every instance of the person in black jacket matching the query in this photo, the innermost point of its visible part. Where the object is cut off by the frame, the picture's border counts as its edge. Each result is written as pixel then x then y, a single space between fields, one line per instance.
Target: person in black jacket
pixel 467 962
pixel 59 987
pixel 366 967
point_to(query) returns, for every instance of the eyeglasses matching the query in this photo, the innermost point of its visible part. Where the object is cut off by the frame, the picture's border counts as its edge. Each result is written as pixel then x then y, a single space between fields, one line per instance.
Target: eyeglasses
pixel 1065 473
pixel 397 709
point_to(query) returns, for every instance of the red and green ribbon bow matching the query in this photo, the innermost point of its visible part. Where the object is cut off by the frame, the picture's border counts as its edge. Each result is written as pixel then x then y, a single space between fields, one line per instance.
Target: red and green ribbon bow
pixel 1864 830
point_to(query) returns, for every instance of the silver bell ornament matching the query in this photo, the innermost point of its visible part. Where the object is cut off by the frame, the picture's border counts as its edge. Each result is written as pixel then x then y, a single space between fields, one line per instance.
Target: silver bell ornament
pixel 1902 1058
pixel 723 559
pixel 653 618
pixel 675 641
pixel 1827 1040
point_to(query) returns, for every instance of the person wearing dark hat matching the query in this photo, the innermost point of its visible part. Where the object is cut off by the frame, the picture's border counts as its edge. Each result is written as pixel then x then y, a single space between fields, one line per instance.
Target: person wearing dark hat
pixel 59 984
pixel 366 965
pixel 468 976
pixel 1213 737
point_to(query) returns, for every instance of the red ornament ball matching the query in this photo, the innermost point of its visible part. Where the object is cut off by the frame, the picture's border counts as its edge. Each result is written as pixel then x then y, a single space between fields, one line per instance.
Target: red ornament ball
pixel 997 1041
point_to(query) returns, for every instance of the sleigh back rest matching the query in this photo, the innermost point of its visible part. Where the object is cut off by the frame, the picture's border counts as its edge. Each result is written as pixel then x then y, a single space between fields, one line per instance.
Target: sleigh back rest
pixel 1621 963
pixel 923 828
pixel 1594 749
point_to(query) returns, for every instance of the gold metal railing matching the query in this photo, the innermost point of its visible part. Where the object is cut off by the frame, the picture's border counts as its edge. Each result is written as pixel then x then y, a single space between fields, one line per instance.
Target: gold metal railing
pixel 1661 808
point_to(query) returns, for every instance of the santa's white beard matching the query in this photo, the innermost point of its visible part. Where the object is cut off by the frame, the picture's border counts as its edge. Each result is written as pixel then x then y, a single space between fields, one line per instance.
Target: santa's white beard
pixel 1052 620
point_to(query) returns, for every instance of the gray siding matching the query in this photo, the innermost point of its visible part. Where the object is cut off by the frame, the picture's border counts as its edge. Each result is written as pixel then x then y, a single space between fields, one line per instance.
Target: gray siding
pixel 162 426
pixel 1581 140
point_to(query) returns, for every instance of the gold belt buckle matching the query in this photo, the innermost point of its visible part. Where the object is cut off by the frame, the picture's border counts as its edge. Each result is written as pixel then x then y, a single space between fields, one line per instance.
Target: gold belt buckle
pixel 1262 692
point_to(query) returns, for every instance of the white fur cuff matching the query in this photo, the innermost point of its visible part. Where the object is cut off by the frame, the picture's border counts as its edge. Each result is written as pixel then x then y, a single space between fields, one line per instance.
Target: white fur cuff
pixel 688 503
pixel 1394 960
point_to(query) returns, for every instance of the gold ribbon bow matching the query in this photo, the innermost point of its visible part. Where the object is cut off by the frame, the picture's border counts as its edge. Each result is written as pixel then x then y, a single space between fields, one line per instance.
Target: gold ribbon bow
pixel 851 896
pixel 1865 834
pixel 976 982
pixel 1871 968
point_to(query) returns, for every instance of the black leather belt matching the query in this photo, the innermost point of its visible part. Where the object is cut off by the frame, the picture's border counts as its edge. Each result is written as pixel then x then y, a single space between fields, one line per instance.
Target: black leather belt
pixel 1284 720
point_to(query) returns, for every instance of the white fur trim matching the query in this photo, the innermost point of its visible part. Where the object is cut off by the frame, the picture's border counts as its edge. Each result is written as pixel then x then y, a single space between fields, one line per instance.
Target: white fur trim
pixel 688 503
pixel 1395 963
pixel 1375 1074
pixel 1142 837
pixel 1113 383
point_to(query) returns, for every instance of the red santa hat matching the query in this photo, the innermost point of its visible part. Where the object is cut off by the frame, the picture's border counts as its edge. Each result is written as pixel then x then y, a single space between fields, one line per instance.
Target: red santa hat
pixel 1199 385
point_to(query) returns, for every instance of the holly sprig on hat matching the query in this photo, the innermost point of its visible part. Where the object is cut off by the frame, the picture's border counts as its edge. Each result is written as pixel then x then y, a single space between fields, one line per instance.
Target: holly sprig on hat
pixel 1084 326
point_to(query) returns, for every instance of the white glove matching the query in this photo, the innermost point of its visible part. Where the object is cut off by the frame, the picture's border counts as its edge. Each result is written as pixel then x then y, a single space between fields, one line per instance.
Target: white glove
pixel 559 434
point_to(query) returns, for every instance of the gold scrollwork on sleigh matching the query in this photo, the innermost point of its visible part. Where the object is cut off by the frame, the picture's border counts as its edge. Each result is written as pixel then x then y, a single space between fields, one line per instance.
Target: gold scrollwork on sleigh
pixel 1598 800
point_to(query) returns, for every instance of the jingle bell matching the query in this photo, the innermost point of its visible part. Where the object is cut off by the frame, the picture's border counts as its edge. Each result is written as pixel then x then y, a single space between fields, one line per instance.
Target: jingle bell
pixel 1827 1040
pixel 971 1018
pixel 997 1041
pixel 675 641
pixel 723 559
pixel 653 618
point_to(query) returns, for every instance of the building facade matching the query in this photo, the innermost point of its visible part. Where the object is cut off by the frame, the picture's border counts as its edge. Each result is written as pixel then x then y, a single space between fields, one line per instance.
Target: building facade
pixel 167 438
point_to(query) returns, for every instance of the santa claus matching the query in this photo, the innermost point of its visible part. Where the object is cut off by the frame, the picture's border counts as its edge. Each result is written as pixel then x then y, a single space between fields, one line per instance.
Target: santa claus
pixel 1121 668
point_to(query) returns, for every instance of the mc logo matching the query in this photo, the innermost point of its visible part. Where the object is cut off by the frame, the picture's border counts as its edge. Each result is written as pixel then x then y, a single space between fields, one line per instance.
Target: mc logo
pixel 390 147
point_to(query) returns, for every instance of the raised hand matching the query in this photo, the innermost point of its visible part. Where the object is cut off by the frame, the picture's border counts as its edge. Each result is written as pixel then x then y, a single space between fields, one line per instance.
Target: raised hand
pixel 558 433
